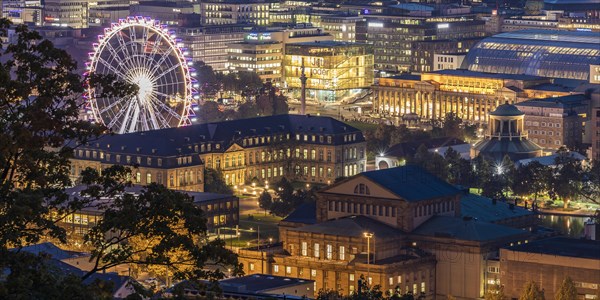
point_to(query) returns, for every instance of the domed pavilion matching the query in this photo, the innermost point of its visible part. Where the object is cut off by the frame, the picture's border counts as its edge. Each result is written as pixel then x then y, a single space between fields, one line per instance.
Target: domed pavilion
pixel 506 136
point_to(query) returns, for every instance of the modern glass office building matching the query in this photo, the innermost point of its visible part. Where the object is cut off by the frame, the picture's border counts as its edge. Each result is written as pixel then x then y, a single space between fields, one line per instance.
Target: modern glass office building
pixel 546 53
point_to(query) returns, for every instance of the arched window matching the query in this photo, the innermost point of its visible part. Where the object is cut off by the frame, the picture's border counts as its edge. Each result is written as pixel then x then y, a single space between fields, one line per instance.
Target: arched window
pixel 362 189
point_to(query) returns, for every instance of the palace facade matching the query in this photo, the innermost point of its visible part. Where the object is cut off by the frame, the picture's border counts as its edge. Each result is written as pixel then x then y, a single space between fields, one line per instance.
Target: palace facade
pixel 304 148
pixel 471 95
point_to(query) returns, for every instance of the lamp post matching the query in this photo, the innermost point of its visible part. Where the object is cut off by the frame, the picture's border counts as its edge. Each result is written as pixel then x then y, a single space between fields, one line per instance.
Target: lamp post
pixel 368 235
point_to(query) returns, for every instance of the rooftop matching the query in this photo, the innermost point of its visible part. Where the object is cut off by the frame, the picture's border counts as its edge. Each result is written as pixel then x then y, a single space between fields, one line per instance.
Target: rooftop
pixel 468 229
pixel 485 210
pixel 180 140
pixel 562 246
pixel 506 110
pixel 549 160
pixel 306 213
pixel 260 283
pixel 411 183
pixel 468 73
pixel 561 36
pixel 556 102
pixel 353 226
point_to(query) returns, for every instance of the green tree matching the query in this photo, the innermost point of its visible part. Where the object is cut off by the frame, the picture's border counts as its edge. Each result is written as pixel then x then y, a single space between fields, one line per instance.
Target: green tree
pixel 211 111
pixel 157 227
pixel 214 182
pixel 531 291
pixel 265 201
pixel 531 179
pixel 566 181
pixel 567 290
pixel 495 293
pixel 452 126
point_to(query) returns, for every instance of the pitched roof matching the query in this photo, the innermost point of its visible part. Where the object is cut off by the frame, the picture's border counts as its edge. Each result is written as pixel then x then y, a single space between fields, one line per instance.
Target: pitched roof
pixel 485 210
pixel 568 101
pixel 353 226
pixel 465 229
pixel 306 213
pixel 411 183
pixel 181 140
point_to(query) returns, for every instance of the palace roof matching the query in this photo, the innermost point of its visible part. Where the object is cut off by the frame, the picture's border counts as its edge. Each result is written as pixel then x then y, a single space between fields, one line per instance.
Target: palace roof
pixel 412 183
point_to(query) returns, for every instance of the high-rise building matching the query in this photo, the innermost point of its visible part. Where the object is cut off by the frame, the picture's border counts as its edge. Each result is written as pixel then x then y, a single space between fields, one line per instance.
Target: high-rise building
pixel 334 69
pixel 209 43
pixel 406 39
pixel 219 12
pixel 66 13
pixel 263 51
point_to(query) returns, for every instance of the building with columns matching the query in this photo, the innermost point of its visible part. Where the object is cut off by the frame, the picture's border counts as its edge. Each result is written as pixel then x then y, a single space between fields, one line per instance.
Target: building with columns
pixel 400 228
pixel 471 95
pixel 506 136
pixel 304 148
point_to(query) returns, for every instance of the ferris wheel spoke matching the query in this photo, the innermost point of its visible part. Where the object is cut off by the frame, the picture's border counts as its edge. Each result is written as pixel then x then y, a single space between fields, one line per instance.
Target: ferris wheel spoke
pixel 165 107
pixel 167 71
pixel 123 45
pixel 155 47
pixel 134 118
pixel 116 118
pixel 126 118
pixel 112 105
pixel 160 61
pixel 156 116
pixel 112 68
pixel 116 56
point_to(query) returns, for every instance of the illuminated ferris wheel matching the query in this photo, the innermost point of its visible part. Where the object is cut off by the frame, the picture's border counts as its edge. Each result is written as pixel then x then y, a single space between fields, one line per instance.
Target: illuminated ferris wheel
pixel 143 52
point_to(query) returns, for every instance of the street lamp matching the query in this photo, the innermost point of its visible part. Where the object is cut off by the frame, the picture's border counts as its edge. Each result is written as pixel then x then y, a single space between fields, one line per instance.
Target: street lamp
pixel 270 240
pixel 368 235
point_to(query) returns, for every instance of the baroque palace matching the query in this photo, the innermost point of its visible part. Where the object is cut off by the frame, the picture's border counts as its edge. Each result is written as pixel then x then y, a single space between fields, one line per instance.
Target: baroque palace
pixel 401 228
pixel 304 148
pixel 471 95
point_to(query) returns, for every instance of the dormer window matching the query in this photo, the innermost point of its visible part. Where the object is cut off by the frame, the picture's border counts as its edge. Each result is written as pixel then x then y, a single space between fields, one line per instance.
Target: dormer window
pixel 362 189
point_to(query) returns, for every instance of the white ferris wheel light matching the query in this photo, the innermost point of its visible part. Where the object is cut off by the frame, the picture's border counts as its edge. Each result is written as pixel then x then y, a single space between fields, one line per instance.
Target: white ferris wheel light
pixel 141 51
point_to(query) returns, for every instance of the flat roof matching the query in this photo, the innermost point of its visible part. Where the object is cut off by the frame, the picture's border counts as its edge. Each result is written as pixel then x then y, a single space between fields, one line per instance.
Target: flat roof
pixel 464 72
pixel 568 101
pixel 561 246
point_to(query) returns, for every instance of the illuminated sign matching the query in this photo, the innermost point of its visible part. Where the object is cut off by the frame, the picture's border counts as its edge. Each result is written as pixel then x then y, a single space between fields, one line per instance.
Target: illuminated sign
pixel 443 25
pixel 258 37
pixel 377 25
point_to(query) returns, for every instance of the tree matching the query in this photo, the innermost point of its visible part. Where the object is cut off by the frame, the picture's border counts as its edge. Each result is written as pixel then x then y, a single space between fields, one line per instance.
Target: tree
pixel 591 182
pixel 265 201
pixel 566 181
pixel 495 293
pixel 214 182
pixel 531 291
pixel 452 126
pixel 531 178
pixel 567 290
pixel 157 227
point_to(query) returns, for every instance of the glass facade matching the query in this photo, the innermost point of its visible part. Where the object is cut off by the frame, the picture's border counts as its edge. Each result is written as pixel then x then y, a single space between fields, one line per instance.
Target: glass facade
pixel 546 53
pixel 332 68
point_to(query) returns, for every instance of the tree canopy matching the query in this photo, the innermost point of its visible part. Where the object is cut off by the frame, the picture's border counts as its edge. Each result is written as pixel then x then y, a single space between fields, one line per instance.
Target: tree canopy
pixel 40 101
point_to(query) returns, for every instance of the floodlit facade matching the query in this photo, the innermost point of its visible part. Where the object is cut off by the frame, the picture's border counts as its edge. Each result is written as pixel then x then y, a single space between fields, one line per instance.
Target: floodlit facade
pixel 333 69
pixel 234 12
pixel 66 13
pixel 547 53
pixel 262 51
pixel 303 148
pixel 470 95
pixel 209 44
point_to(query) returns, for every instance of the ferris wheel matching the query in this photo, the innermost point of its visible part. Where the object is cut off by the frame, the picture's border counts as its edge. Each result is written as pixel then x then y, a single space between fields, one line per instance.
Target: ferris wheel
pixel 143 52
